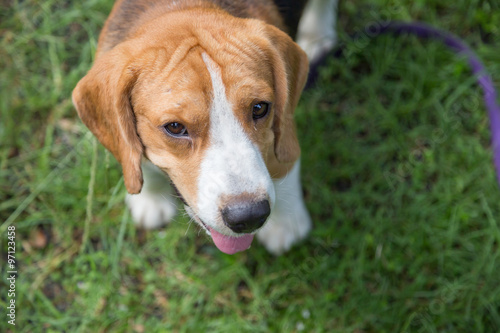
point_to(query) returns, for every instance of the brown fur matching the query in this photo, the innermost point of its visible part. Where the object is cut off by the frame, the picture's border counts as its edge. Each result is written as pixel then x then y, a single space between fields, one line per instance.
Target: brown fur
pixel 102 101
pixel 152 73
pixel 128 15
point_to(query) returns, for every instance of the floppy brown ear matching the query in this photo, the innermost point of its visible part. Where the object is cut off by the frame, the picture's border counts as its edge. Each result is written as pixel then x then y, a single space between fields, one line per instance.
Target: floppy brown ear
pixel 290 67
pixel 102 99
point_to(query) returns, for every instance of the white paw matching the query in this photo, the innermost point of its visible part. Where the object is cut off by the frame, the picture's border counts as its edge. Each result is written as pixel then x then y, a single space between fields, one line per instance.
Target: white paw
pixel 289 221
pixel 316 33
pixel 150 210
pixel 154 206
pixel 284 229
pixel 316 47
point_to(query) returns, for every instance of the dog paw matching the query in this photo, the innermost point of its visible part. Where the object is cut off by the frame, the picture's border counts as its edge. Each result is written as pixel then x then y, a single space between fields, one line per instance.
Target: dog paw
pixel 316 32
pixel 284 230
pixel 151 210
pixel 316 48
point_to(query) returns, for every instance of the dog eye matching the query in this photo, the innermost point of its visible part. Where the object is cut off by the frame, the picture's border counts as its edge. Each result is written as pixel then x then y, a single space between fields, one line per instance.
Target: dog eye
pixel 175 129
pixel 260 110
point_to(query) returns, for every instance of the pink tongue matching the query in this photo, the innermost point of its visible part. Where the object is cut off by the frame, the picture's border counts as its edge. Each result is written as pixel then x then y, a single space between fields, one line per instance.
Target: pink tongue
pixel 229 244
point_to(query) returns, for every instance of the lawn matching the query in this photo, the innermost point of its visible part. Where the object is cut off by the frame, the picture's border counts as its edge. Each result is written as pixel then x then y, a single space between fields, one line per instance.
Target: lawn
pixel 397 172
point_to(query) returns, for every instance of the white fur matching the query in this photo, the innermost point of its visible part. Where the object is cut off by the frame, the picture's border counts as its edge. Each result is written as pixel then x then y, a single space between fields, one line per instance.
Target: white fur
pixel 289 221
pixel 232 163
pixel 154 206
pixel 316 33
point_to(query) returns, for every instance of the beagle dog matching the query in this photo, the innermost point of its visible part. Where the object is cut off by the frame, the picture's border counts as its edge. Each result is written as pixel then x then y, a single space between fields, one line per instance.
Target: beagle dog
pixel 204 92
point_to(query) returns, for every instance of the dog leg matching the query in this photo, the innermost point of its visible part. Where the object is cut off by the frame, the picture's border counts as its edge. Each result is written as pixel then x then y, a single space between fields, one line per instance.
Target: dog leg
pixel 289 221
pixel 316 34
pixel 154 206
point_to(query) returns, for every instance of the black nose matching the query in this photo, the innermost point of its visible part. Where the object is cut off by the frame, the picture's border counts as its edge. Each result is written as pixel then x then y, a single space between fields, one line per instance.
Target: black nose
pixel 245 217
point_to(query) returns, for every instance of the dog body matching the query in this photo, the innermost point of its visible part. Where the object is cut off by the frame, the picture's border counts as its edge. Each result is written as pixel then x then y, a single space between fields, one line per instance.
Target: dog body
pixel 204 91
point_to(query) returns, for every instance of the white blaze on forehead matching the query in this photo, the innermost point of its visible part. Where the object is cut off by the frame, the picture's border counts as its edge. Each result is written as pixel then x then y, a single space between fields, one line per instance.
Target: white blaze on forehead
pixel 232 163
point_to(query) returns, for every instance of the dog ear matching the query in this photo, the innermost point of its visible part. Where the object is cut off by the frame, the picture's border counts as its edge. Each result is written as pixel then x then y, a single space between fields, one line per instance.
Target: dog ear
pixel 102 99
pixel 290 67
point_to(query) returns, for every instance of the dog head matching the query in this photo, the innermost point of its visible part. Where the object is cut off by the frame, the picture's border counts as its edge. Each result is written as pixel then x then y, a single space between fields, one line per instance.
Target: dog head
pixel 211 106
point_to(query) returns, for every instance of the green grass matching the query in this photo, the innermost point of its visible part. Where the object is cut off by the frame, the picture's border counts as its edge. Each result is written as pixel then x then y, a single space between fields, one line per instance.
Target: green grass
pixel 397 175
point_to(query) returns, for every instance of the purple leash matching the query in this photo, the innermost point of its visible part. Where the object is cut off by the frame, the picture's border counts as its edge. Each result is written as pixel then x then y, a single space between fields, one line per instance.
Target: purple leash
pixel 456 44
pixel 483 79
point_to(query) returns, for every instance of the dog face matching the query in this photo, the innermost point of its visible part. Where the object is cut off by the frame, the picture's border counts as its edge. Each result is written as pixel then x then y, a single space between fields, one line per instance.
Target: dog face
pixel 210 107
